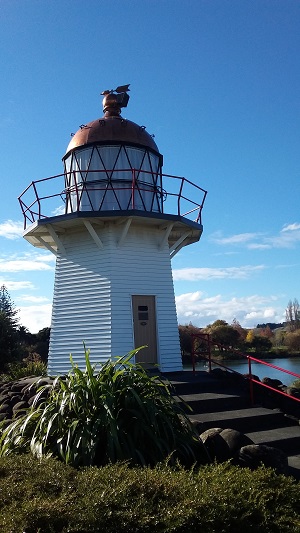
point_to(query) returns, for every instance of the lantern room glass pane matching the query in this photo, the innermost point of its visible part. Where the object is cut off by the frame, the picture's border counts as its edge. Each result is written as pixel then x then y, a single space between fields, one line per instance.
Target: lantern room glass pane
pixel 113 178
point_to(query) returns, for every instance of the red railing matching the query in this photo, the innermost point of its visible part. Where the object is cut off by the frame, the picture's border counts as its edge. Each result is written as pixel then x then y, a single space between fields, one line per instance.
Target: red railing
pixel 205 354
pixel 50 196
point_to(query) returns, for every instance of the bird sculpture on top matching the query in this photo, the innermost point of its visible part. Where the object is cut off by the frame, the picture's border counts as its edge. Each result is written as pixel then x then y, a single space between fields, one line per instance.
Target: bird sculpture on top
pixel 120 89
pixel 115 99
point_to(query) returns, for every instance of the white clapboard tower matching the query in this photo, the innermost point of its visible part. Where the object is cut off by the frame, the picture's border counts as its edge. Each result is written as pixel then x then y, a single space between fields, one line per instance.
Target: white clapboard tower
pixel 113 242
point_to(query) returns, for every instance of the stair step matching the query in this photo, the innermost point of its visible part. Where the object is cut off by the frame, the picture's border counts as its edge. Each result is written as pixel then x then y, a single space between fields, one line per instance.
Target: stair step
pixel 286 439
pixel 244 420
pixel 208 402
pixel 225 404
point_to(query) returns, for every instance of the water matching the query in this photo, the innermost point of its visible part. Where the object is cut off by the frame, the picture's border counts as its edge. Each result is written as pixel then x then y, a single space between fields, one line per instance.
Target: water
pixel 292 364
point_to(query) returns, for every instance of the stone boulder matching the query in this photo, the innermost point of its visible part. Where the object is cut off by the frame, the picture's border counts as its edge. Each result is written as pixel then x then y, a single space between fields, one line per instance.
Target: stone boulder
pixel 254 455
pixel 17 396
pixel 224 444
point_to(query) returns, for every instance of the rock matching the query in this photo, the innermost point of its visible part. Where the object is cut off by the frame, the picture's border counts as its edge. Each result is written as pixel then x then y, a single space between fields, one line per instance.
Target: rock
pixel 5 408
pixel 19 406
pixel 234 440
pixel 224 444
pixel 16 387
pixel 252 375
pixel 219 373
pixel 215 445
pixel 4 398
pixel 274 383
pixel 253 455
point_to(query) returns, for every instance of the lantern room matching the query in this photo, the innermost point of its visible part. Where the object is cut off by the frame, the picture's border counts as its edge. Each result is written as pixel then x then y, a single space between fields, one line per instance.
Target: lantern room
pixel 113 164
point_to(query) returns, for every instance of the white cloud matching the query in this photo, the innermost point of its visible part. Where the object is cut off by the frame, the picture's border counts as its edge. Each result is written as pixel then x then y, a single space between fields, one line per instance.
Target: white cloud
pixel 291 227
pixel 257 246
pixel 240 238
pixel 35 317
pixel 196 274
pixel 287 237
pixel 60 210
pixel 201 310
pixel 11 229
pixel 16 285
pixel 26 262
pixel 33 299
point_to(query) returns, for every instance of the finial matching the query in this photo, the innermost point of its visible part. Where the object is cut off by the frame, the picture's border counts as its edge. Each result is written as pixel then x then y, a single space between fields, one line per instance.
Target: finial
pixel 115 99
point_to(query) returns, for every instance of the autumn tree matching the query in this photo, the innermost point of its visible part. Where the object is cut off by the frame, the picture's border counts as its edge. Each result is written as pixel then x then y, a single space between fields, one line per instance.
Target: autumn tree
pixel 266 332
pixel 292 314
pixel 292 340
pixel 250 336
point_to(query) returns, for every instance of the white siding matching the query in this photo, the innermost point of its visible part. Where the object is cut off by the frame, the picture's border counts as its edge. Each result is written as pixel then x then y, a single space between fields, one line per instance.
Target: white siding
pixel 92 296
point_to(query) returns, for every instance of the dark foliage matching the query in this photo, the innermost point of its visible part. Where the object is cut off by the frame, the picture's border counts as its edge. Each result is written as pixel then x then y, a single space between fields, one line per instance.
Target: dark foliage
pixel 49 497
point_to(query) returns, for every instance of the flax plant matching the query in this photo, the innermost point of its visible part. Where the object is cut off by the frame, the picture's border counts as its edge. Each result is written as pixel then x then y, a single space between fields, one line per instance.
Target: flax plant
pixel 95 417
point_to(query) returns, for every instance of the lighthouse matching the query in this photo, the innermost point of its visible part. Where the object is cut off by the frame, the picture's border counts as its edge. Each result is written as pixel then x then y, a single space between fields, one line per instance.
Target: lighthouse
pixel 114 222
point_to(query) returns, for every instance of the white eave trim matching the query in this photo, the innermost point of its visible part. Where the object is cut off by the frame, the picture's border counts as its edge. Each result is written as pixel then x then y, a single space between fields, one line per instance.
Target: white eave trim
pixel 167 231
pixel 56 239
pixel 124 231
pixel 93 234
pixel 46 245
pixel 178 244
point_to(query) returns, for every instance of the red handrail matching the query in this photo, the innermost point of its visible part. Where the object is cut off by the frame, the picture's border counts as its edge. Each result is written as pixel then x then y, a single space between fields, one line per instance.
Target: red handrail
pixel 34 204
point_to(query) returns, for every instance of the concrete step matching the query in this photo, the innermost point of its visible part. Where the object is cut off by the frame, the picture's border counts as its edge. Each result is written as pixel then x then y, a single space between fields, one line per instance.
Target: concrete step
pixel 210 402
pixel 224 404
pixel 245 419
pixel 286 439
pixel 204 382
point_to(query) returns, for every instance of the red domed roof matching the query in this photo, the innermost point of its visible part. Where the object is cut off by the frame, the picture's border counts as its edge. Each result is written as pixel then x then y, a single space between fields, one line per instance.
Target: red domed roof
pixel 112 129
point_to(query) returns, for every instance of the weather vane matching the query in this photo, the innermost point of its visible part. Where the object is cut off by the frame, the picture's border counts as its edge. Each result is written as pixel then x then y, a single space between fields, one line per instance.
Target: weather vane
pixel 115 99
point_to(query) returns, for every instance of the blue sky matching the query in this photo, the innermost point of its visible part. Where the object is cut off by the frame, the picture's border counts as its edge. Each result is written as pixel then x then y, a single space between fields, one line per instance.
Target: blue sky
pixel 217 82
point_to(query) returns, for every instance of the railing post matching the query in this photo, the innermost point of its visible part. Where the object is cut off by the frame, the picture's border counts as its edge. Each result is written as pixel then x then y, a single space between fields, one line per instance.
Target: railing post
pixel 179 196
pixel 76 190
pixel 193 354
pixel 209 354
pixel 133 188
pixel 250 381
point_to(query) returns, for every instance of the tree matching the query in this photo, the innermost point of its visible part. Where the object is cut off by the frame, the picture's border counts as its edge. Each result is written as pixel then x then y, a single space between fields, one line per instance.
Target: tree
pixel 250 336
pixel 261 344
pixel 8 307
pixel 9 347
pixel 223 334
pixel 292 314
pixel 41 343
pixel 242 332
pixel 185 337
pixel 292 340
pixel 266 332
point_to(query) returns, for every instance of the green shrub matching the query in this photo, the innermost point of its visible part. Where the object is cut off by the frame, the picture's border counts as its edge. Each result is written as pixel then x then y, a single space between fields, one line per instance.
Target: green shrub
pixel 95 417
pixel 47 496
pixel 30 366
pixel 296 384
